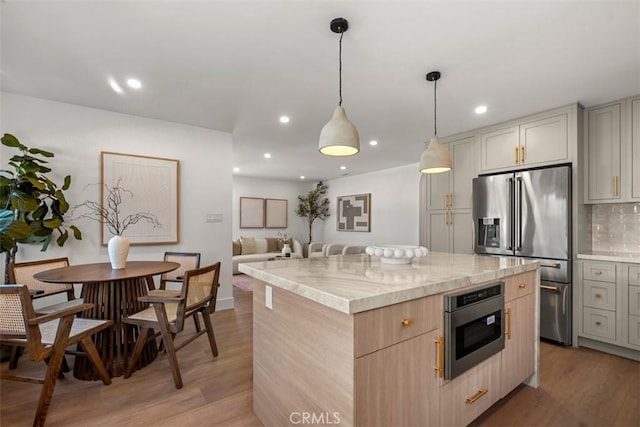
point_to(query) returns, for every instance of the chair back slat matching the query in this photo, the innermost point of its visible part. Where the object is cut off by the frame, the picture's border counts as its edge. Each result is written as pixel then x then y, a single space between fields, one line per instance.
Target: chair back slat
pixel 187 261
pixel 15 311
pixel 199 287
pixel 11 317
pixel 23 273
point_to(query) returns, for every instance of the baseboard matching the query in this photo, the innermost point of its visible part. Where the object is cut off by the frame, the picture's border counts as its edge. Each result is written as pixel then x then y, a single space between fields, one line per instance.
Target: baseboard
pixel 225 304
pixel 609 348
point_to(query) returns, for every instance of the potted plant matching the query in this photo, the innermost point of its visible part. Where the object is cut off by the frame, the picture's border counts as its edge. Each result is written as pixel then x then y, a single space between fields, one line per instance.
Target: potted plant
pixel 112 217
pixel 314 205
pixel 32 206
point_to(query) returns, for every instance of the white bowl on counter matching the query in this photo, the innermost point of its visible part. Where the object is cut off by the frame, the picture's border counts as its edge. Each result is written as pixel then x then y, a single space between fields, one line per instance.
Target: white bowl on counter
pixel 397 254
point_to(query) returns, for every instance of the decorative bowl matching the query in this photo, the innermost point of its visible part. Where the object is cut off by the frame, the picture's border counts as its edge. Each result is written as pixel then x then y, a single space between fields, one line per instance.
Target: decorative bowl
pixel 397 254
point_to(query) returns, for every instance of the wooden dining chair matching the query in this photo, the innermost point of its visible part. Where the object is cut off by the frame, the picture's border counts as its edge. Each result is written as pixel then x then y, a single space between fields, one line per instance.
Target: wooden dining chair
pixel 170 309
pixel 23 272
pixel 46 337
pixel 187 261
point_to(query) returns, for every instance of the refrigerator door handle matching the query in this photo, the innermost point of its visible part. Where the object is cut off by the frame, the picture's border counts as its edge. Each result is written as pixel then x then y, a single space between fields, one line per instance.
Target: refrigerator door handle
pixel 518 204
pixel 509 226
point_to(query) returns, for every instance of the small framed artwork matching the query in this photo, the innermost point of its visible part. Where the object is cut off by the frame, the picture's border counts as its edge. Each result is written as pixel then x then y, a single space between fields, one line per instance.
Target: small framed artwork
pixel 275 213
pixel 354 212
pixel 251 212
pixel 143 187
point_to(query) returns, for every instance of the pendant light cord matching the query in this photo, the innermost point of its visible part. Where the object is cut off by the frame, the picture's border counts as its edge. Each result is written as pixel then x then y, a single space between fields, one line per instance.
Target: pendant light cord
pixel 340 68
pixel 435 122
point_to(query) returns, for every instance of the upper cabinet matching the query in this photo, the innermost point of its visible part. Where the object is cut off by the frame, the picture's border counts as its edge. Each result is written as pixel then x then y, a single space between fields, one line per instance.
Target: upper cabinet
pixel 538 142
pixel 612 172
pixel 452 190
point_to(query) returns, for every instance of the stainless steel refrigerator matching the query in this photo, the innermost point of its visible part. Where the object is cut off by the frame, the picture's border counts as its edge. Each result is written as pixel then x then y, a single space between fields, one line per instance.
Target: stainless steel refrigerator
pixel 528 214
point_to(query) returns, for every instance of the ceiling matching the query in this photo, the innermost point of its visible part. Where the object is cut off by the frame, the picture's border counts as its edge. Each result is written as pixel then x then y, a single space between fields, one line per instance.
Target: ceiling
pixel 236 66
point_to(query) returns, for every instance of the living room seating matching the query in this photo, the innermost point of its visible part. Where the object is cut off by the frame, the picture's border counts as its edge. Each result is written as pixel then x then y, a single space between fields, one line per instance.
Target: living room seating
pixel 319 249
pixel 47 337
pixel 168 312
pixel 254 249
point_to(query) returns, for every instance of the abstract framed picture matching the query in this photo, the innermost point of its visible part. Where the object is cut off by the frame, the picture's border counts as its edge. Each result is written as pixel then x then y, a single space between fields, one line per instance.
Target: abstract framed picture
pixel 354 212
pixel 275 213
pixel 149 186
pixel 251 212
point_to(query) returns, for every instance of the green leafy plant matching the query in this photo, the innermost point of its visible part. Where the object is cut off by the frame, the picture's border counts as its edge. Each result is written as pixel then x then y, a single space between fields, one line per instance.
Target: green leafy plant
pixel 32 206
pixel 314 205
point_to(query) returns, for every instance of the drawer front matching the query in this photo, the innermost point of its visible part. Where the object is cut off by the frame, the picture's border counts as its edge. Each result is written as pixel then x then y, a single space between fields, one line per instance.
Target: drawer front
pixel 599 323
pixel 599 295
pixel 634 330
pixel 599 271
pixel 634 275
pixel 382 327
pixel 634 300
pixel 519 286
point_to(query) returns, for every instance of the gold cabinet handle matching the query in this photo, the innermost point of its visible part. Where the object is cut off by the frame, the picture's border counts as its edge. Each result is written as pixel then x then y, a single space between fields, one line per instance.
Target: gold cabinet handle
pixel 598 295
pixel 481 392
pixel 522 154
pixel 508 332
pixel 450 218
pixel 597 272
pixel 598 323
pixel 516 155
pixel 439 368
pixel 522 285
pixel 450 200
pixel 615 186
pixel 406 322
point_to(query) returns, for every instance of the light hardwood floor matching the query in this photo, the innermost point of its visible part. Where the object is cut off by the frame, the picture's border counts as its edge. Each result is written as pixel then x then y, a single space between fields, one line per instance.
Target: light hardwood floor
pixel 579 387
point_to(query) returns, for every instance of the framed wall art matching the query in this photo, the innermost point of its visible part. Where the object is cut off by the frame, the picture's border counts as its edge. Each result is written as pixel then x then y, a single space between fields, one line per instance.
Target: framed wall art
pixel 354 212
pixel 275 213
pixel 251 212
pixel 149 186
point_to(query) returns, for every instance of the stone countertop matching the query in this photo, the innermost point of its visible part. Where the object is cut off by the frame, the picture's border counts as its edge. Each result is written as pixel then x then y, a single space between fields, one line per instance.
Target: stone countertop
pixel 631 257
pixel 355 283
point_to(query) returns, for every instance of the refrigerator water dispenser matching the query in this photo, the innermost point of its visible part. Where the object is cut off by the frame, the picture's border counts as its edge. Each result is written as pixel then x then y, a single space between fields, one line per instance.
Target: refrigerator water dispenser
pixel 489 235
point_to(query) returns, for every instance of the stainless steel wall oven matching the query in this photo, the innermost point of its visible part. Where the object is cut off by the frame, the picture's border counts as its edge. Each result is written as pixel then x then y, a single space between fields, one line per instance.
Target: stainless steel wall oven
pixel 474 327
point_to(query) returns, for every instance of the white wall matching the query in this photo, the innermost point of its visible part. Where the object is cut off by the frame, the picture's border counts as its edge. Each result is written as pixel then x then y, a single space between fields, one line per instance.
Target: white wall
pixel 394 207
pixel 77 135
pixel 270 189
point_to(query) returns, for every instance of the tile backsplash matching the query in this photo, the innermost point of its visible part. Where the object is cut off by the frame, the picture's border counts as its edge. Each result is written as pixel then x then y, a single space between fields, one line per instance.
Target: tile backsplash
pixel 616 227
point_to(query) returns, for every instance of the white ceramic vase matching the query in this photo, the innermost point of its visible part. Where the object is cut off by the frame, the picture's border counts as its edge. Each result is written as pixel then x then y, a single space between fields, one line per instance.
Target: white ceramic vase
pixel 286 250
pixel 118 248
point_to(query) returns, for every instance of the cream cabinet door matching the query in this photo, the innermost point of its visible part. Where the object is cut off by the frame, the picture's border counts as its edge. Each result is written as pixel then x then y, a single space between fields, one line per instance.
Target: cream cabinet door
pixel 604 143
pixel 634 155
pixel 438 189
pixel 544 141
pixel 438 239
pixel 461 225
pixel 464 160
pixel 499 149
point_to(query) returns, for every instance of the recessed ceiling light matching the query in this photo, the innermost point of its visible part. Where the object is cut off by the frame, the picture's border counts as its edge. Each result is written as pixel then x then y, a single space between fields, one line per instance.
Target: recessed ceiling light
pixel 284 119
pixel 343 168
pixel 115 86
pixel 236 169
pixel 301 176
pixel 481 109
pixel 267 155
pixel 134 83
pixel 373 142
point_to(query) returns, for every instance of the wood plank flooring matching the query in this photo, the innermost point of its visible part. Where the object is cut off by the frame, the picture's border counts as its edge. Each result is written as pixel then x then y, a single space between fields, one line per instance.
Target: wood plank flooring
pixel 579 387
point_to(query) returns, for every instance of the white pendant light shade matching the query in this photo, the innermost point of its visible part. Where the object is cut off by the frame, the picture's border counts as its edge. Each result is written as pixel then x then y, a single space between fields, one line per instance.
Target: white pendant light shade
pixel 339 137
pixel 436 158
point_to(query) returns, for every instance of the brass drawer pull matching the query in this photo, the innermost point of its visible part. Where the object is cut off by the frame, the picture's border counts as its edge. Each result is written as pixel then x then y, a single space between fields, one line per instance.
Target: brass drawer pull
pixel 598 323
pixel 522 285
pixel 597 272
pixel 406 322
pixel 516 156
pixel 481 392
pixel 598 295
pixel 508 332
pixel 522 153
pixel 439 368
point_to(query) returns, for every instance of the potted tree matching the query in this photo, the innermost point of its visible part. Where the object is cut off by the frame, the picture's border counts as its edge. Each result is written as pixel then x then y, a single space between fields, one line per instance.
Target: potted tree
pixel 314 205
pixel 32 206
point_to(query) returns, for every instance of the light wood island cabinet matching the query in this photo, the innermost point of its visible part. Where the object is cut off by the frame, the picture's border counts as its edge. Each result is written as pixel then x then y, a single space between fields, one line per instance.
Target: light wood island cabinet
pixel 378 366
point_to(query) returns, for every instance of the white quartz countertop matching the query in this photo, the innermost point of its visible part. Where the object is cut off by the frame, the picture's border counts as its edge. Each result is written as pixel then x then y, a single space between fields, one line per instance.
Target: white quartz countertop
pixel 631 257
pixel 355 283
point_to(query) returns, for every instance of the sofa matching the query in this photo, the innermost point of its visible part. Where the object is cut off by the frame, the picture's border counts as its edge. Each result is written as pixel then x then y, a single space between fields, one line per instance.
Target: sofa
pixel 254 249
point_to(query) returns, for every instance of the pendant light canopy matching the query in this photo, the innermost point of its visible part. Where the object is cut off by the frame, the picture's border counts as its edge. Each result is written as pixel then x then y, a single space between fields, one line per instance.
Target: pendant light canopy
pixel 339 137
pixel 436 158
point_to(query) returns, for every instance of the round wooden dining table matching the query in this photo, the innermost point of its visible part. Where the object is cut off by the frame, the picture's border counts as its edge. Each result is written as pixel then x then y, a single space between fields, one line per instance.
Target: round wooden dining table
pixel 114 294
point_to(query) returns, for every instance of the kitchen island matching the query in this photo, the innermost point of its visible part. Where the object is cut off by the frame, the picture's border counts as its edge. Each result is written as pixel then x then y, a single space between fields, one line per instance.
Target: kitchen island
pixel 349 340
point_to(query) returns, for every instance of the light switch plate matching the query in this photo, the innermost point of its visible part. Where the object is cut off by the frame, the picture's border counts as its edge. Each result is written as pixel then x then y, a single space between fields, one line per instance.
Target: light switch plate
pixel 268 296
pixel 214 217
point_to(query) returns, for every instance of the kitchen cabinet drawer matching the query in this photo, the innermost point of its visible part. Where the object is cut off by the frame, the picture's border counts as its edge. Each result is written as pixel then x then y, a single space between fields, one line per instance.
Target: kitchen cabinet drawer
pixel 599 271
pixel 599 295
pixel 634 275
pixel 599 323
pixel 467 396
pixel 634 300
pixel 382 327
pixel 519 286
pixel 634 330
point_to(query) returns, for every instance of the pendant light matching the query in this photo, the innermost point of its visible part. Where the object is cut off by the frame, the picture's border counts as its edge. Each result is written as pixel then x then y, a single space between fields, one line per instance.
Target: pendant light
pixel 339 137
pixel 436 158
